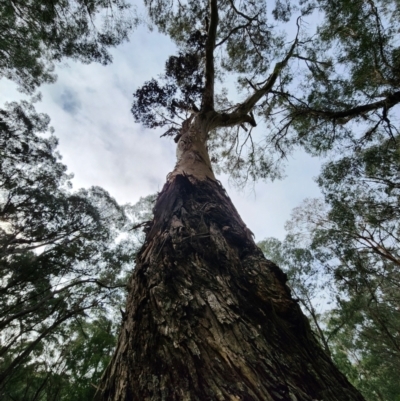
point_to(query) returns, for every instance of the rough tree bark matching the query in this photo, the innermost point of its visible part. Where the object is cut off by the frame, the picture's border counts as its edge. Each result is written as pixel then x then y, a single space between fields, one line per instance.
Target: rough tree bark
pixel 207 316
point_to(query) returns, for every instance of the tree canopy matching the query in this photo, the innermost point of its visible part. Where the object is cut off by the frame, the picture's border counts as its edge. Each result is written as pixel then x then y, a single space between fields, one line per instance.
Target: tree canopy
pixel 34 35
pixel 64 255
pixel 323 87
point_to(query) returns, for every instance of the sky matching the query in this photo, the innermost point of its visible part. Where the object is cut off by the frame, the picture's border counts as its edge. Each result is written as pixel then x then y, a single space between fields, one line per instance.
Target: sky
pixel 89 107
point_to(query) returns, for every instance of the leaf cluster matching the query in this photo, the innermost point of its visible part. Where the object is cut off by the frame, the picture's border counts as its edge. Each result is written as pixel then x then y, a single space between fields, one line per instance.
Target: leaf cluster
pixel 348 93
pixel 159 104
pixel 36 34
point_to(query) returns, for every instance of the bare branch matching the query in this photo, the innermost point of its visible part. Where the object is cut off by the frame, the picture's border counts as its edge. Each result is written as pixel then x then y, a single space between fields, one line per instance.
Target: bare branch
pixel 208 97
pixel 232 32
pixel 390 100
pixel 250 19
pixel 324 63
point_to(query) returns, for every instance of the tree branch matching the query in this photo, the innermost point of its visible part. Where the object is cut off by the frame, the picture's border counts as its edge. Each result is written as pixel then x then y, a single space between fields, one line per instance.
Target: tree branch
pixel 390 100
pixel 250 19
pixel 208 96
pixel 324 63
pixel 234 30
pixel 33 344
pixel 240 115
pixel 7 320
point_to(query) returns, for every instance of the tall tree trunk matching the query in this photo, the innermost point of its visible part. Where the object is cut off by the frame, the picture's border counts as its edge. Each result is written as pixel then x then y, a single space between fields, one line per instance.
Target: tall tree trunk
pixel 207 316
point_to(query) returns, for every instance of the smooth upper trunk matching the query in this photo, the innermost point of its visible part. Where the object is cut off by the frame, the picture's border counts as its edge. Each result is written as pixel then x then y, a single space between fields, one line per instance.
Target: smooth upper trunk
pixel 191 153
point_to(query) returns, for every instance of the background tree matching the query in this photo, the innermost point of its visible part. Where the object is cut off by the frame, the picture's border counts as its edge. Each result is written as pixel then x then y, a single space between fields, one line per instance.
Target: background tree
pixel 363 192
pixel 63 262
pixel 65 366
pixel 63 254
pixel 351 243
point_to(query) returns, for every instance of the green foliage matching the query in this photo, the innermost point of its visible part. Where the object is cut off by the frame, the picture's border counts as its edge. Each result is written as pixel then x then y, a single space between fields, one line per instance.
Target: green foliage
pixel 157 105
pixel 363 191
pixel 35 34
pixel 349 94
pixel 348 247
pixel 244 44
pixel 363 345
pixel 63 258
pixel 326 88
pixel 66 368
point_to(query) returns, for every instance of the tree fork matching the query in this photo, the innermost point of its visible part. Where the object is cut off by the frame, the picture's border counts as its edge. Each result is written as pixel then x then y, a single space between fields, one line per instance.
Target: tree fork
pixel 207 316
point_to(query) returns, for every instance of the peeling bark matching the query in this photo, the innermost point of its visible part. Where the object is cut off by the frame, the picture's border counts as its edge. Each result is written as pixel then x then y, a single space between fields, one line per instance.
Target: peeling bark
pixel 207 316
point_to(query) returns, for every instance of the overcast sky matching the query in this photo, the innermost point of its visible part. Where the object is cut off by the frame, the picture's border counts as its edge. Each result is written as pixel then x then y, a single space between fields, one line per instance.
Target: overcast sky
pixel 89 106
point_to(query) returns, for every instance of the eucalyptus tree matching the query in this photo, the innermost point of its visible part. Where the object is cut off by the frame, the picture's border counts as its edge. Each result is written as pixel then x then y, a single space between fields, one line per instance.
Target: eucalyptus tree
pixel 36 34
pixel 59 259
pixel 207 316
pixel 362 241
pixel 350 242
